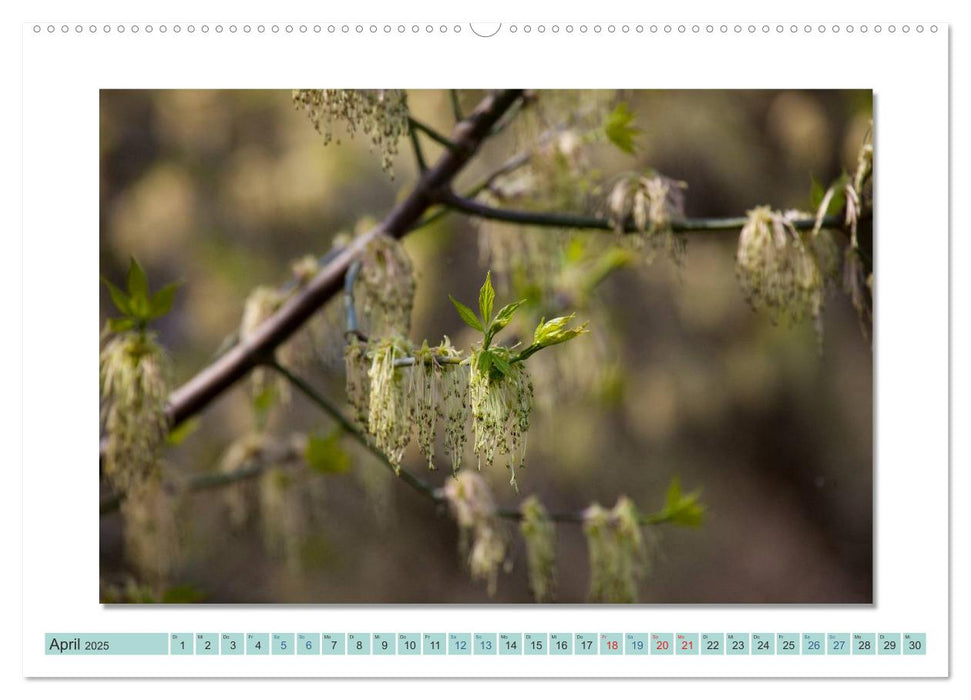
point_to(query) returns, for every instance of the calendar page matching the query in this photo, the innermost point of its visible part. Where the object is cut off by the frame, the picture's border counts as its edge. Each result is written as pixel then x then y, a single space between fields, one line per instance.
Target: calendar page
pixel 431 347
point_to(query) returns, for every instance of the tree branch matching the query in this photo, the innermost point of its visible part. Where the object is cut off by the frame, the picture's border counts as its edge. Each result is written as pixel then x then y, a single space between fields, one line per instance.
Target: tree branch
pixel 259 346
pixel 416 147
pixel 485 183
pixel 334 412
pixel 415 125
pixel 253 469
pixel 477 209
pixel 456 106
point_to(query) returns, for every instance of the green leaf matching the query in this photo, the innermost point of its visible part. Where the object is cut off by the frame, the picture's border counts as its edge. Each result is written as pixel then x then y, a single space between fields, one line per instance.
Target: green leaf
pixel 185 593
pixel 504 316
pixel 501 364
pixel 553 331
pixel 182 431
pixel 606 264
pixel 575 250
pixel 834 195
pixel 485 361
pixel 487 296
pixel 689 514
pixel 816 193
pixel 619 129
pixel 138 289
pixel 683 509
pixel 118 325
pixel 161 302
pixel 324 454
pixel 118 298
pixel 838 201
pixel 467 314
pixel 263 402
pixel 673 497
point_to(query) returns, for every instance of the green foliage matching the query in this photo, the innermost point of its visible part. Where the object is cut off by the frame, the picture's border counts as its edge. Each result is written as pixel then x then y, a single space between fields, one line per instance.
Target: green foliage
pixel 263 401
pixel 554 331
pixel 493 362
pixel 324 454
pixel 185 593
pixel 179 433
pixel 138 306
pixel 485 323
pixel 684 509
pixel 619 129
pixel 504 316
pixel 467 314
pixel 828 201
pixel 498 361
pixel 487 295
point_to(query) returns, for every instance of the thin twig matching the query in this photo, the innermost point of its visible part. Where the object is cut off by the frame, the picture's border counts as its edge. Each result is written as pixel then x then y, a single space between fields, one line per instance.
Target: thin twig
pixel 576 221
pixel 411 361
pixel 456 106
pixel 416 125
pixel 508 118
pixel 510 165
pixel 250 469
pixel 334 412
pixel 416 147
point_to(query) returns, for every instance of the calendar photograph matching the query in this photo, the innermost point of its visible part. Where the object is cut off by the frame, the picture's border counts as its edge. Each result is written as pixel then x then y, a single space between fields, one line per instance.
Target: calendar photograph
pixel 462 346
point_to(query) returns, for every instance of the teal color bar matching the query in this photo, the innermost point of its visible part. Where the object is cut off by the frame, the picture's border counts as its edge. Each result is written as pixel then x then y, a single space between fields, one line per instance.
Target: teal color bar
pixel 662 644
pixel 737 644
pixel 686 644
pixel 813 644
pixel 257 644
pixel 282 643
pixel 712 644
pixel 409 644
pixel 535 644
pixel 231 644
pixel 332 643
pixel 763 644
pixel 459 643
pixel 484 643
pixel 433 644
pixel 915 644
pixel 121 644
pixel 787 644
pixel 207 644
pixel 864 644
pixel 358 643
pixel 585 644
pixel 308 643
pixel 611 644
pixel 636 643
pixel 837 644
pixel 888 643
pixel 383 643
pixel 180 644
pixel 510 644
pixel 561 643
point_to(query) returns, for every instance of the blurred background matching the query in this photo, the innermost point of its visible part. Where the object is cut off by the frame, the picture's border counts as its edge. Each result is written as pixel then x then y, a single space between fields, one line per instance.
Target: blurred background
pixel 223 190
